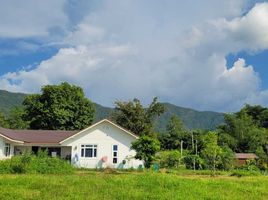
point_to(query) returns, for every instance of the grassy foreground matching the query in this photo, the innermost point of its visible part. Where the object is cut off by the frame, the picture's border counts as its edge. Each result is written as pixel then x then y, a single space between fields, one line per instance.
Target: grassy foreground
pixel 96 185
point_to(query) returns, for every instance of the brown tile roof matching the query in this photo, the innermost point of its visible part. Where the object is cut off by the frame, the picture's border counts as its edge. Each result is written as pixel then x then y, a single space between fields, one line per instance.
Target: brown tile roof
pixel 37 136
pixel 246 155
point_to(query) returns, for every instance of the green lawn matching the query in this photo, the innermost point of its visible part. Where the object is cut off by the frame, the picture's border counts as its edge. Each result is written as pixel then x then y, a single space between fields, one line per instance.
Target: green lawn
pixel 96 185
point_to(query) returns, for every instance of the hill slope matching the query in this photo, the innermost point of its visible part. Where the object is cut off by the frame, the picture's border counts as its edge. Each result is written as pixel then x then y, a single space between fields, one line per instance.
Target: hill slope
pixel 9 100
pixel 191 118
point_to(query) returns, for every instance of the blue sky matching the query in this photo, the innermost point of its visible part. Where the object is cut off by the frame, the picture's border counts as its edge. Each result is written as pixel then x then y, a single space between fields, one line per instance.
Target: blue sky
pixel 210 55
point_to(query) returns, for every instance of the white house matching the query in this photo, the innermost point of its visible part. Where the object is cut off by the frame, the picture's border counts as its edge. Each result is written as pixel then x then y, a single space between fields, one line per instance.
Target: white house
pixel 104 144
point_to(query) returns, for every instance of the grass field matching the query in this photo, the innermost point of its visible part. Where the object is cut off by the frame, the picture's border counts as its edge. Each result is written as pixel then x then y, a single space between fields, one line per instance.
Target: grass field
pixel 143 185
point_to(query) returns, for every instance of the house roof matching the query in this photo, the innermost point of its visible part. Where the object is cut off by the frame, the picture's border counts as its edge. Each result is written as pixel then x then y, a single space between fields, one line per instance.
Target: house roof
pixel 246 156
pixel 49 136
pixel 35 136
pixel 104 120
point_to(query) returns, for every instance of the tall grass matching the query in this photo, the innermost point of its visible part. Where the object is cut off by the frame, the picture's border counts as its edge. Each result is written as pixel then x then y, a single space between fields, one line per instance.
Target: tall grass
pixel 41 163
pixel 142 185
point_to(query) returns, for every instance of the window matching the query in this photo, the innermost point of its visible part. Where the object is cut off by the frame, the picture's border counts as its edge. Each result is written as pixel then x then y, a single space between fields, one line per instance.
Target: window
pixel 115 154
pixel 7 149
pixel 89 151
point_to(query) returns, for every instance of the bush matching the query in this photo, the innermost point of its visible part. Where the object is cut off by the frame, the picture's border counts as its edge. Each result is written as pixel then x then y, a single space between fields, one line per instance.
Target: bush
pixel 27 163
pixel 194 161
pixel 240 173
pixel 169 159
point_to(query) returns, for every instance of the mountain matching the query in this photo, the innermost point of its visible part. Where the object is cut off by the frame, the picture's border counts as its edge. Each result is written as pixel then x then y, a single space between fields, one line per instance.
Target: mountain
pixel 9 100
pixel 192 119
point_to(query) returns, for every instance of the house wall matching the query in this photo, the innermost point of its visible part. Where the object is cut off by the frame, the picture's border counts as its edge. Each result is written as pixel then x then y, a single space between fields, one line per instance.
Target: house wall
pixel 2 149
pixel 104 136
pixel 66 151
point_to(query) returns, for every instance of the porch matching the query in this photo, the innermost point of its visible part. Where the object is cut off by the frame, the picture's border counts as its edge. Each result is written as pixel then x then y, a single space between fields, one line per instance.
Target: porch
pixel 63 152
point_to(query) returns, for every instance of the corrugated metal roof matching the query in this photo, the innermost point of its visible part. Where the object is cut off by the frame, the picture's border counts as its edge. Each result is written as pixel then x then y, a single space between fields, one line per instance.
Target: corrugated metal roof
pixel 246 155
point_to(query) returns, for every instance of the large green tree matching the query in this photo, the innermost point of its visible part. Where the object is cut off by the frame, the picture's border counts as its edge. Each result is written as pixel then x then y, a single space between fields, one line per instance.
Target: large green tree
pixel 59 107
pixel 211 151
pixel 175 133
pixel 146 148
pixel 134 117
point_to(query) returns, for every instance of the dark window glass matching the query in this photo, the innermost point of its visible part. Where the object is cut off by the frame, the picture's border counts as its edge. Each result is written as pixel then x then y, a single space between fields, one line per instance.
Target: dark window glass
pixel 115 147
pixel 115 154
pixel 114 160
pixel 82 152
pixel 89 153
pixel 95 152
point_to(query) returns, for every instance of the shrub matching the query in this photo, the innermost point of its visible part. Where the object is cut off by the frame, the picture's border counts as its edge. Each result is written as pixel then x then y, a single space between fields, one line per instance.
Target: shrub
pixel 27 163
pixel 194 161
pixel 169 159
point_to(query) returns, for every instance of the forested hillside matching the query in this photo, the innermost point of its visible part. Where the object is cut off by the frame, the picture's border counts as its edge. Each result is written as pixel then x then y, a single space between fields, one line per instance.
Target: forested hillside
pixel 192 119
pixel 9 100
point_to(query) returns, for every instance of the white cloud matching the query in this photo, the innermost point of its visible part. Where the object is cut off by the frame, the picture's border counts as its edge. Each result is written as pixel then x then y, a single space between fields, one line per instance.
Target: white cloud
pixel 251 30
pixel 132 49
pixel 31 18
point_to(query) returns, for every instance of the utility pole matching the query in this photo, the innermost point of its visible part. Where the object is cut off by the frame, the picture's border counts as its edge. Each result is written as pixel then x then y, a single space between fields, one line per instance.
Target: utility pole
pixel 181 147
pixel 196 147
pixel 192 140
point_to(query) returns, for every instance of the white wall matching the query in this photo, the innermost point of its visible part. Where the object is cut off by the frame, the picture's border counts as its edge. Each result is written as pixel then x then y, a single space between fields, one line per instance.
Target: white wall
pixel 105 136
pixel 2 149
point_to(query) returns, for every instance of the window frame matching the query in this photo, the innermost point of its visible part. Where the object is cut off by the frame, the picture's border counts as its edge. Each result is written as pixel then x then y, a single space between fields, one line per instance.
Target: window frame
pixel 113 153
pixel 83 148
pixel 7 150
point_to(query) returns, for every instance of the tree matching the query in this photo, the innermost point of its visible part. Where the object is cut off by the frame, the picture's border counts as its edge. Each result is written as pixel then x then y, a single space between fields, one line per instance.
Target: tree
pixel 132 116
pixel 62 107
pixel 211 152
pixel 146 148
pixel 15 118
pixel 3 121
pixel 175 132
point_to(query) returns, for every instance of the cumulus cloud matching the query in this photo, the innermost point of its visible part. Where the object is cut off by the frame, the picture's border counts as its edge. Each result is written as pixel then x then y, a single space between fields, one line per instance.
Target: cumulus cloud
pixel 138 49
pixel 31 18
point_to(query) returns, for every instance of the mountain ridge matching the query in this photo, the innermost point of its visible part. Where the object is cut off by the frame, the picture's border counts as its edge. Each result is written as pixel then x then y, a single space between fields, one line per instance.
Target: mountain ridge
pixel 191 118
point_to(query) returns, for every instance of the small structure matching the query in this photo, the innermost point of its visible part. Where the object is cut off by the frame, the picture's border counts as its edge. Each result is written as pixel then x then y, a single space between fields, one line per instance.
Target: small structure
pixel 241 158
pixel 104 144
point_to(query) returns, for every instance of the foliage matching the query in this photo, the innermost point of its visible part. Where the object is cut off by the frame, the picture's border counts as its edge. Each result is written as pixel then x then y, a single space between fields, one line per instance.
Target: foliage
pixel 134 117
pixel 15 119
pixel 227 158
pixel 169 159
pixel 146 148
pixel 211 152
pixel 175 133
pixel 3 121
pixel 28 163
pixel 192 119
pixel 245 131
pixel 59 107
pixel 194 162
pixel 8 100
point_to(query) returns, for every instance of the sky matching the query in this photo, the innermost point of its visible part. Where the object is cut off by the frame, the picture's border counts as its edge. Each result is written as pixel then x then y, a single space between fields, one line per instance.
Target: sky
pixel 206 55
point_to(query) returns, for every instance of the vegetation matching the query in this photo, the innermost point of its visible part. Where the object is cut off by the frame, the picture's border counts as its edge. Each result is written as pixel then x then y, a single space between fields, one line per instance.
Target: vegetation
pixel 143 185
pixel 175 133
pixel 146 148
pixel 191 119
pixel 35 164
pixel 8 100
pixel 134 117
pixel 59 107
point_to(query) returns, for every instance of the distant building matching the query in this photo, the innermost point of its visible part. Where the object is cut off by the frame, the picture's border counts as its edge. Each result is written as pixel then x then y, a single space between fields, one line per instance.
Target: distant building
pixel 241 158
